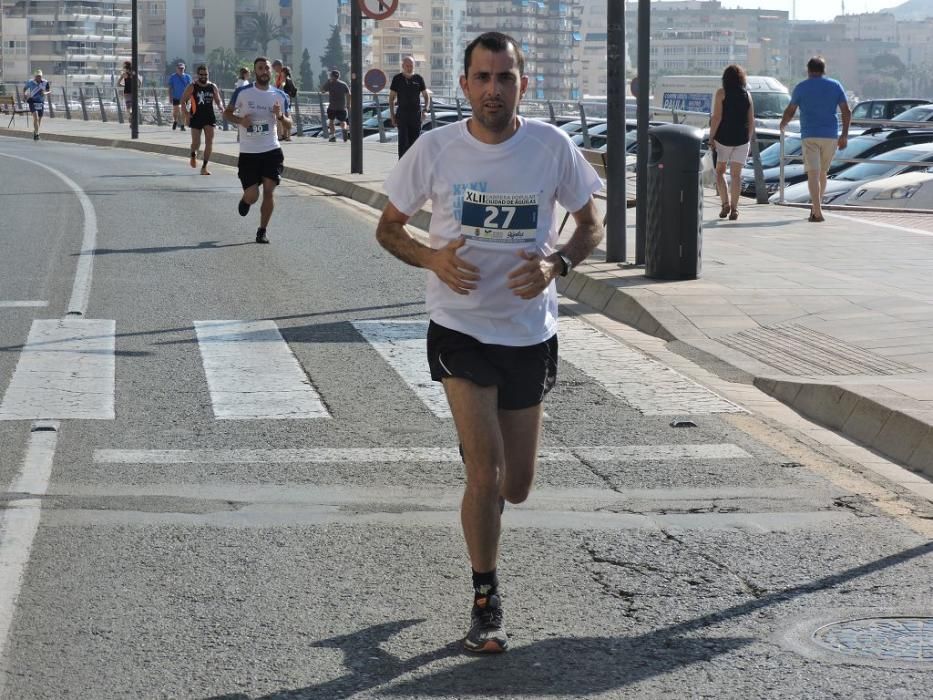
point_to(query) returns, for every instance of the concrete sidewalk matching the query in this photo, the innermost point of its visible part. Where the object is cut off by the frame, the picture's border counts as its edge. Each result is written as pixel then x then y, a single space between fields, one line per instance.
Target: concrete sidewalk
pixel 833 319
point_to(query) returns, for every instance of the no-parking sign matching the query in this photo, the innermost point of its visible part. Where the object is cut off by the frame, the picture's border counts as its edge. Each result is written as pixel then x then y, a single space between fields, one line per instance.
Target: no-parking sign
pixel 382 8
pixel 375 80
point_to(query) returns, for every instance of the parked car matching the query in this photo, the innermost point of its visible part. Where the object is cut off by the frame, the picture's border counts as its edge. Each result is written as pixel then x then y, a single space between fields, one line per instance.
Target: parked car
pixel 904 191
pixel 868 144
pixel 371 125
pixel 575 126
pixel 885 109
pixel 843 183
pixel 920 113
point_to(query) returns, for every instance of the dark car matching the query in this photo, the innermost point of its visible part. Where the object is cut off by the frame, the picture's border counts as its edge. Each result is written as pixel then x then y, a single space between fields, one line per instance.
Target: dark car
pixel 869 143
pixel 885 109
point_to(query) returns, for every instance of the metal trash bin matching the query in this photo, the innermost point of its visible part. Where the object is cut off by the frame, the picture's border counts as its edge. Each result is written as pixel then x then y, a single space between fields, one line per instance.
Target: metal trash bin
pixel 674 212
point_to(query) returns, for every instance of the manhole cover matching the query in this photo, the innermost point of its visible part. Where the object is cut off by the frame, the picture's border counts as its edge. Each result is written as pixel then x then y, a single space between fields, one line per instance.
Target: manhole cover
pixel 881 638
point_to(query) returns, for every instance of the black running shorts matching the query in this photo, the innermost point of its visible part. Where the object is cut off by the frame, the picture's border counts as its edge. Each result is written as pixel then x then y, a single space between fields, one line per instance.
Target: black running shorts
pixel 37 108
pixel 176 102
pixel 339 115
pixel 254 167
pixel 524 375
pixel 199 122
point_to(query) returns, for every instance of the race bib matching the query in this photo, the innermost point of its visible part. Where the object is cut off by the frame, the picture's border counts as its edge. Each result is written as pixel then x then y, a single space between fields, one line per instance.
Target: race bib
pixel 511 219
pixel 257 129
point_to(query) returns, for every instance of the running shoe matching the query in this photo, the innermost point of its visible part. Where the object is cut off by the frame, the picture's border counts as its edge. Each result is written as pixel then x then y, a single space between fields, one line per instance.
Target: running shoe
pixel 486 635
pixel 193 160
pixel 174 126
pixel 346 136
pixel 332 139
pixel 242 208
pixel 261 237
pixel 182 127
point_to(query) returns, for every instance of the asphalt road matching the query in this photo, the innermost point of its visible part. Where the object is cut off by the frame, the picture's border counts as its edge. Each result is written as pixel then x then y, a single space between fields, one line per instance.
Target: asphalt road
pixel 252 492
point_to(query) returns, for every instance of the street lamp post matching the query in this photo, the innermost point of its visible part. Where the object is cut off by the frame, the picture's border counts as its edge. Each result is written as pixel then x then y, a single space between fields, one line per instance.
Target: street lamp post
pixel 134 73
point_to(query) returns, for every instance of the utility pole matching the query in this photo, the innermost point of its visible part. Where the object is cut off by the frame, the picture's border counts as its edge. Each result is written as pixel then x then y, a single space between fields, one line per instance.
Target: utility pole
pixel 356 87
pixel 134 76
pixel 615 157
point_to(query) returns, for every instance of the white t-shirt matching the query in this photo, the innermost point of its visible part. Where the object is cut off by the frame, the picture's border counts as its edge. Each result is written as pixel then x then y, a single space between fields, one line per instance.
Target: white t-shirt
pixel 261 136
pixel 502 198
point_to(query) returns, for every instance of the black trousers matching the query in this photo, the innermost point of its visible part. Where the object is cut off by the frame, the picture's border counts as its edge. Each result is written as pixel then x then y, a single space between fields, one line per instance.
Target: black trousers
pixel 409 129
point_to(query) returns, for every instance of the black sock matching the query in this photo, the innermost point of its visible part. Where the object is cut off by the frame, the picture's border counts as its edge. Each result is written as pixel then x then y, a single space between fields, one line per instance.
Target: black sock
pixel 485 584
pixel 260 230
pixel 205 164
pixel 194 153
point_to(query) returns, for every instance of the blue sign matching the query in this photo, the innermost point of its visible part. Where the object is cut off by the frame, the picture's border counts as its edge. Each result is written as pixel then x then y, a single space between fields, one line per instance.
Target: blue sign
pixel 499 218
pixel 688 101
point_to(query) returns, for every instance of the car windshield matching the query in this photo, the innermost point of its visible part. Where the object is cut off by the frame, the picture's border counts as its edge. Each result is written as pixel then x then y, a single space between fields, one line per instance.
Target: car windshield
pixel 771 156
pixel 770 105
pixel 854 149
pixel 922 113
pixel 878 167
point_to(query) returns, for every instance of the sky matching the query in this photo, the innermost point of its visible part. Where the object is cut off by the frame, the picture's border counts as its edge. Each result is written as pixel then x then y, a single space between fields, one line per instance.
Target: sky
pixel 816 9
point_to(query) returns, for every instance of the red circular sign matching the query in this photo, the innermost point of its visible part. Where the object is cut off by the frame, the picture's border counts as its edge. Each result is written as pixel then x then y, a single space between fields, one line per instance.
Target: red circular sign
pixel 384 8
pixel 375 80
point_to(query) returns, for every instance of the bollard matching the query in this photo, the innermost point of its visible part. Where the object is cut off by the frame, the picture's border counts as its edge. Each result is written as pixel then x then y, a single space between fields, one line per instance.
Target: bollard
pixel 100 101
pixel 550 108
pixel 51 106
pixel 586 131
pixel 380 120
pixel 459 110
pixel 433 116
pixel 67 106
pixel 158 107
pixel 83 103
pixel 225 125
pixel 116 93
pixel 301 131
pixel 320 99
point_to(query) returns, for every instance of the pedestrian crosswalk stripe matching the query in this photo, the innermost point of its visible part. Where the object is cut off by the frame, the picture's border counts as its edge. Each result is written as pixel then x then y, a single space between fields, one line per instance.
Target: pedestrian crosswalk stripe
pixel 252 373
pixel 322 455
pixel 402 345
pixel 22 304
pixel 643 383
pixel 66 369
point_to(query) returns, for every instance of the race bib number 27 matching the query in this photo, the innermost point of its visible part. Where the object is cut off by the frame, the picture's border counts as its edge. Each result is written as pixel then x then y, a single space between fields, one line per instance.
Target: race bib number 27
pixel 499 218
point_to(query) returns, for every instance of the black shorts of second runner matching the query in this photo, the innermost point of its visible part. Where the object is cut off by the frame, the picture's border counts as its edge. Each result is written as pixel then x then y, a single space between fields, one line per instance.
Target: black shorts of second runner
pixel 253 167
pixel 524 374
pixel 339 115
pixel 198 122
pixel 37 108
pixel 176 102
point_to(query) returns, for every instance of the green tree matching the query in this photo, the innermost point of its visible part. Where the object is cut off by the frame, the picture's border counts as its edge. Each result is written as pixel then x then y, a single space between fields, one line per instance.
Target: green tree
pixel 333 57
pixel 261 30
pixel 889 65
pixel 305 74
pixel 223 65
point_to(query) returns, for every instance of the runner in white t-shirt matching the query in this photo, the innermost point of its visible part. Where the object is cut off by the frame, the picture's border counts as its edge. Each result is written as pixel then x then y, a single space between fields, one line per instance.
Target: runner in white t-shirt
pixel 494 182
pixel 255 109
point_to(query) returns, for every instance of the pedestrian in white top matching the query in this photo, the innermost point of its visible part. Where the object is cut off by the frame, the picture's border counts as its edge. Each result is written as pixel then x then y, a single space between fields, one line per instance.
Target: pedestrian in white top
pixel 257 109
pixel 494 181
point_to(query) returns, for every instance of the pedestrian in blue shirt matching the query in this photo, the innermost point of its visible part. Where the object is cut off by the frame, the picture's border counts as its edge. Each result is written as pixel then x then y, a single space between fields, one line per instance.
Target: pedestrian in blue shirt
pixel 818 98
pixel 177 82
pixel 36 89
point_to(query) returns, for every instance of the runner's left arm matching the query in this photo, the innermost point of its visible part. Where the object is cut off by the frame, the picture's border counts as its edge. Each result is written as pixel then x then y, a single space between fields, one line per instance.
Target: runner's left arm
pixel 533 276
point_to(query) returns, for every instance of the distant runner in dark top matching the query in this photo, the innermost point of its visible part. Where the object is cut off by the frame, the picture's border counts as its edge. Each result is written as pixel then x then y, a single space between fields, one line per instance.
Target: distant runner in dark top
pixel 731 127
pixel 337 92
pixel 202 95
pixel 406 91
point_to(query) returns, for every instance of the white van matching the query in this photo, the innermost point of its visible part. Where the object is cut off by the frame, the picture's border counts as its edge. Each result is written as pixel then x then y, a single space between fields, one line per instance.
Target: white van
pixel 694 93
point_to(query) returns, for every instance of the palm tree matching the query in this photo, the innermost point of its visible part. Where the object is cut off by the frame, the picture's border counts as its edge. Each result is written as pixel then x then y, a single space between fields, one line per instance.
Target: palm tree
pixel 223 65
pixel 261 30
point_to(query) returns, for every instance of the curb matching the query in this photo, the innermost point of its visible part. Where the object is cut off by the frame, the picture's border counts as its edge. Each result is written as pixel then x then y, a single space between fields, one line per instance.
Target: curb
pixel 895 433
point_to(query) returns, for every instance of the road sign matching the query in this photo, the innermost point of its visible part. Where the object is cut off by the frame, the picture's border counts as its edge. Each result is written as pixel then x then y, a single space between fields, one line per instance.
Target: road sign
pixel 633 86
pixel 381 8
pixel 374 80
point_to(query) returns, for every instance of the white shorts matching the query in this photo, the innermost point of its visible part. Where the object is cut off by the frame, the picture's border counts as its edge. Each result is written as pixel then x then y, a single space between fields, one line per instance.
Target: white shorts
pixel 731 154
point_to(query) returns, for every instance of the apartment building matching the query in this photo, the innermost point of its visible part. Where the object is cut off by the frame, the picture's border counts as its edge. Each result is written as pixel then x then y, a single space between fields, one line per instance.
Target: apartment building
pixel 152 32
pixel 76 43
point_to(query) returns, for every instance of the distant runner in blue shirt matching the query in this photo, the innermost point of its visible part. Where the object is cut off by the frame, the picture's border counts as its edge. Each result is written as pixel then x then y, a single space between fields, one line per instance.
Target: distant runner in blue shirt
pixel 177 82
pixel 36 90
pixel 818 97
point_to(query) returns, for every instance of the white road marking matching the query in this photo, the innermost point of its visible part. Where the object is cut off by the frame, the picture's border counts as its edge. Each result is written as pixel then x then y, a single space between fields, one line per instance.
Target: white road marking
pixel 321 455
pixel 19 522
pixel 252 373
pixel 402 345
pixel 22 304
pixel 67 369
pixel 879 224
pixel 81 289
pixel 643 383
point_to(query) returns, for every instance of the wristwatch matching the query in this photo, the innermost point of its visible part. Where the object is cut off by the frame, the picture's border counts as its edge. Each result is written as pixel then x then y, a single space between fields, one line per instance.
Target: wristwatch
pixel 568 265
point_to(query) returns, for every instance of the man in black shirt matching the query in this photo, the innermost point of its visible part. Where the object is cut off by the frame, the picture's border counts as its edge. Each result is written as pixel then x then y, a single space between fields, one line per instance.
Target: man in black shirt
pixel 406 91
pixel 337 92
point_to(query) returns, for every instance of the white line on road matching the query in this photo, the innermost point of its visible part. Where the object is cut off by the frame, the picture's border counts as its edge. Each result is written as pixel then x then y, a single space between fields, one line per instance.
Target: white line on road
pixel 19 523
pixel 252 373
pixel 67 369
pixel 879 224
pixel 81 290
pixel 22 304
pixel 402 345
pixel 643 383
pixel 321 455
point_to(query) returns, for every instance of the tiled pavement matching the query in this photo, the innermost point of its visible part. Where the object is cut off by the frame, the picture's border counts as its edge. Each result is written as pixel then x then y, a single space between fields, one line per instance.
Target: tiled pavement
pixel 833 319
